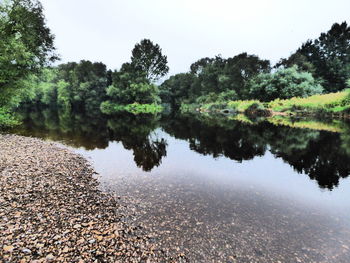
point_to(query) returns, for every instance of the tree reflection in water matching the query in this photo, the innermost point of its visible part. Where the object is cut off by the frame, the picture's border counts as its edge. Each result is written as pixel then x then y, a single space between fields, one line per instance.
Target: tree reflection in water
pixel 323 156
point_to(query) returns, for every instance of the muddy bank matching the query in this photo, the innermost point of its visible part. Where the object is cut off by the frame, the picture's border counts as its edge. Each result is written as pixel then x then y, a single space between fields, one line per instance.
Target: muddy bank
pixel 51 210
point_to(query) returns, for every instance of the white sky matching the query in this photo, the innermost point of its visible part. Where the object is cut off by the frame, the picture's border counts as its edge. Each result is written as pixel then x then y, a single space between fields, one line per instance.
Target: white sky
pixel 187 30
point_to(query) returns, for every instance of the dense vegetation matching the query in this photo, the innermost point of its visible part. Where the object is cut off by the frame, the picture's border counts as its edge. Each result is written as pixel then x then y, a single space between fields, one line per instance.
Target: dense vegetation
pixel 318 66
pixel 26 45
pixel 87 87
pixel 335 104
pixel 27 80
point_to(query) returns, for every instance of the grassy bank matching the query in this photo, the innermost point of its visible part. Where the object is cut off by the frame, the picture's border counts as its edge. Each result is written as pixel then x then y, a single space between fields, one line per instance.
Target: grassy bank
pixel 332 104
pixel 327 105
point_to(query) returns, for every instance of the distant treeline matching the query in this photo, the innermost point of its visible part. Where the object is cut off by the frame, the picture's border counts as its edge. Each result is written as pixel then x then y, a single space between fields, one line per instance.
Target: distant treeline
pixel 318 66
pixel 88 86
pixel 28 80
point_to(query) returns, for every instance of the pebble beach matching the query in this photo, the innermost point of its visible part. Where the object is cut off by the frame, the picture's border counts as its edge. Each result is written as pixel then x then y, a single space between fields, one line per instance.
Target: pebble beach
pixel 51 210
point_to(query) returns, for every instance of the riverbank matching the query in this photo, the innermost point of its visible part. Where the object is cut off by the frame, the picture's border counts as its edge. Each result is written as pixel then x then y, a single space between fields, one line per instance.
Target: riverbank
pixel 52 210
pixel 333 105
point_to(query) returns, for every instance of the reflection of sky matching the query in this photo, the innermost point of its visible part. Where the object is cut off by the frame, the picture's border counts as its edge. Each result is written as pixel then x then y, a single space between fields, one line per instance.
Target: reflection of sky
pixel 267 175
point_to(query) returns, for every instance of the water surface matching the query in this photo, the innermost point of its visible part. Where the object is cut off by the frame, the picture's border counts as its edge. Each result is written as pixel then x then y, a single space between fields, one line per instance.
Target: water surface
pixel 218 189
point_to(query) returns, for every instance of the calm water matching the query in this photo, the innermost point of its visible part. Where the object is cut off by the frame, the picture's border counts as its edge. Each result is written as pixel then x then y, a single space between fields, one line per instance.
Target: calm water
pixel 220 190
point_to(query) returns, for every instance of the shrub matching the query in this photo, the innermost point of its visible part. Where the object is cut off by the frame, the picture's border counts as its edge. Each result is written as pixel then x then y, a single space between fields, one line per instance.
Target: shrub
pixel 7 120
pixel 284 84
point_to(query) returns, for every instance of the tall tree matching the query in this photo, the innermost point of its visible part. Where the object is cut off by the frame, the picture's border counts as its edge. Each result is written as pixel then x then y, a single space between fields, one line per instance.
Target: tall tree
pixel 148 58
pixel 329 56
pixel 26 43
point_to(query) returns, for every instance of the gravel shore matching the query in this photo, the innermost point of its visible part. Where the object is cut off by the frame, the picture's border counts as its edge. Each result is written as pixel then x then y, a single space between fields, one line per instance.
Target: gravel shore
pixel 52 211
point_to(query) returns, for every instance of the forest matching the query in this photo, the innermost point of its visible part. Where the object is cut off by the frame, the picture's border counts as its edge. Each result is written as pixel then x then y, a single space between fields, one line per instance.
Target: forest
pixel 31 78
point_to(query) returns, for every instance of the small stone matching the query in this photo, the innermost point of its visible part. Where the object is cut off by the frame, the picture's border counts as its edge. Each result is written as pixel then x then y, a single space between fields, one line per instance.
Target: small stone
pixel 65 250
pixel 99 238
pixel 26 251
pixel 8 248
pixel 50 257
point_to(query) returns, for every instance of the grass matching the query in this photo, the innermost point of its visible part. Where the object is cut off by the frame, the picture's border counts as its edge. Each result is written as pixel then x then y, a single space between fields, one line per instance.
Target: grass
pixel 333 104
pixel 337 103
pixel 242 106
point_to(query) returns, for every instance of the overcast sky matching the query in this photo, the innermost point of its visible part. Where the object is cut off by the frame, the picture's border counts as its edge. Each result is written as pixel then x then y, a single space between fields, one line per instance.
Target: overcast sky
pixel 187 30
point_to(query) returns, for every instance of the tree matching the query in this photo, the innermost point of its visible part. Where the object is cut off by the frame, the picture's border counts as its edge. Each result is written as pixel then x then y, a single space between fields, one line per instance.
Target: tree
pixel 26 44
pixel 299 60
pixel 84 85
pixel 327 58
pixel 218 75
pixel 283 84
pixel 129 87
pixel 29 41
pixel 176 88
pixel 148 58
pixel 239 70
pixel 198 66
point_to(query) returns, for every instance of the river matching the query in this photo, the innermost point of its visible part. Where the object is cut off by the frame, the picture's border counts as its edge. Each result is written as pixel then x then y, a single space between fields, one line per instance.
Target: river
pixel 219 190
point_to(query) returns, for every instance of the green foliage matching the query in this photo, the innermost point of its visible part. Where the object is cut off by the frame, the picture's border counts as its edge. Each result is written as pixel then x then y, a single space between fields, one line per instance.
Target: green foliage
pixel 110 108
pixel 7 119
pixel 283 84
pixel 222 75
pixel 217 97
pixel 214 79
pixel 137 108
pixel 348 83
pixel 243 106
pixel 84 83
pixel 131 91
pixel 332 103
pixel 64 95
pixel 73 86
pixel 26 44
pixel 188 107
pixel 89 87
pixel 148 58
pixel 176 89
pixel 128 92
pixel 327 58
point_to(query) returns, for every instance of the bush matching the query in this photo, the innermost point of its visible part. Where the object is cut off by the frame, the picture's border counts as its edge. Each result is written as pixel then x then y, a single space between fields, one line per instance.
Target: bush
pixel 283 84
pixel 242 105
pixel 257 109
pixel 7 120
pixel 213 97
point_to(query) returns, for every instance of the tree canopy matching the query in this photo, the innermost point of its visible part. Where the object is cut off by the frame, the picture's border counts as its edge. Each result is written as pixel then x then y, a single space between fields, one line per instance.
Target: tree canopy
pixel 283 84
pixel 26 44
pixel 327 57
pixel 148 58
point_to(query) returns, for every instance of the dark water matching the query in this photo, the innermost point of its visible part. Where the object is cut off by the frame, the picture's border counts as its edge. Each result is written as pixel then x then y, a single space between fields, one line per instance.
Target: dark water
pixel 219 190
